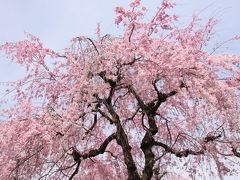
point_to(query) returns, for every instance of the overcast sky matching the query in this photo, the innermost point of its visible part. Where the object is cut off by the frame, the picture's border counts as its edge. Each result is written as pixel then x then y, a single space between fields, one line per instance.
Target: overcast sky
pixel 56 21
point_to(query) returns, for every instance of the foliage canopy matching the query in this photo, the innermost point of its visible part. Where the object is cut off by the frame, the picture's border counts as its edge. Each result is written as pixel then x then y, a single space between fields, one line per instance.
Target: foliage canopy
pixel 127 107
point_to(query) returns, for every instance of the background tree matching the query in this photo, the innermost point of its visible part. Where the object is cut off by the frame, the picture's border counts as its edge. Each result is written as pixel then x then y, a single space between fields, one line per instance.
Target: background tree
pixel 135 106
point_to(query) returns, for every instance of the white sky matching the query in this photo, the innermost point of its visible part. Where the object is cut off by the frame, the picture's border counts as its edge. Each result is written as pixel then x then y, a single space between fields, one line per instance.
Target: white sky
pixel 55 22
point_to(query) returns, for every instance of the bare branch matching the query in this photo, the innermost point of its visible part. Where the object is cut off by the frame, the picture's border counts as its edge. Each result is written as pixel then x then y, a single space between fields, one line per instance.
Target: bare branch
pixel 183 153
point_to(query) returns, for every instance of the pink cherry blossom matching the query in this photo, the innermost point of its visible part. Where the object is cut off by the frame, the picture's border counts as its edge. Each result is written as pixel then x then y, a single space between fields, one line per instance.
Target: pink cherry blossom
pixel 134 106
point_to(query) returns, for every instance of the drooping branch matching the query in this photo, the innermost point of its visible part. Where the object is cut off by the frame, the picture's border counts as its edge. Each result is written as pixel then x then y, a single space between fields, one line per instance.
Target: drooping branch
pixel 95 47
pixel 22 161
pixel 186 152
pixel 183 153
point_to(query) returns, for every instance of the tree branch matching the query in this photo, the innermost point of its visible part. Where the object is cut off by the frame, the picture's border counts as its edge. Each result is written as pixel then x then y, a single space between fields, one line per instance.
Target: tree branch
pixel 186 152
pixel 111 82
pixel 78 157
pixel 93 125
pixel 101 149
pixel 139 99
pixel 129 38
pixel 95 47
pixel 183 153
pixel 133 61
pixel 162 97
pixel 75 171
pixel 105 115
pixel 235 152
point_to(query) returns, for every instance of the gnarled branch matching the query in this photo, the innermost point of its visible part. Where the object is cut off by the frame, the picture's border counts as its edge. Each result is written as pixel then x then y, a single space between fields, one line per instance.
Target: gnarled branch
pixel 183 153
pixel 78 157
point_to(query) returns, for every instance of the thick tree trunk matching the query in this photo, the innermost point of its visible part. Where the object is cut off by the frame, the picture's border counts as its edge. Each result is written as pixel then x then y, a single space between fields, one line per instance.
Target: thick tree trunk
pixel 128 159
pixel 146 146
